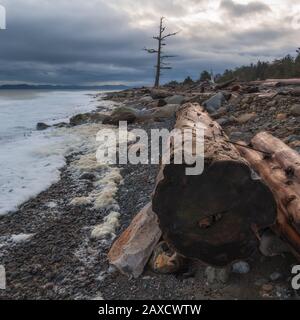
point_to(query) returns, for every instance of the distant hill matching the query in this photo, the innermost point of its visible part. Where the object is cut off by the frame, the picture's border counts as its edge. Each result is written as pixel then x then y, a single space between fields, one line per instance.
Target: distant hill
pixel 60 87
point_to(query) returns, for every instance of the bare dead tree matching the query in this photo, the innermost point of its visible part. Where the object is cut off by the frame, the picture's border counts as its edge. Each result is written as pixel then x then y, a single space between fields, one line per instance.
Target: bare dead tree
pixel 161 56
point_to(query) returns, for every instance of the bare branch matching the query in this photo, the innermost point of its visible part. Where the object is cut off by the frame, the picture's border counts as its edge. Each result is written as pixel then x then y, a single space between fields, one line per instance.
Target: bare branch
pixel 168 56
pixel 150 50
pixel 170 35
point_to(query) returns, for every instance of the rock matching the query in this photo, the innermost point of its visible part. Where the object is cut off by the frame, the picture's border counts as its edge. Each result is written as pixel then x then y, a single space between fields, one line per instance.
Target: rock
pixel 267 288
pixel 176 99
pixel 271 245
pixel 236 88
pixel 164 260
pixel 275 276
pixel 241 267
pixel 79 119
pixel 121 114
pixel 216 275
pixel 223 121
pixel 244 118
pixel 295 110
pixel 42 126
pixel 167 111
pixel 237 136
pixel 146 99
pixel 294 144
pixel 61 125
pixel 132 250
pixel 159 94
pixel 281 116
pixel 83 118
pixel 161 103
pixel 292 138
pixel 215 102
pixel 88 176
pixel 272 104
pixel 97 117
pixel 260 282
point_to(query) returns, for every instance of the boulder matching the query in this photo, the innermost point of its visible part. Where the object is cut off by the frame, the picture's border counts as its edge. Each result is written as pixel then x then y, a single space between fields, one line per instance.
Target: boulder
pixel 161 103
pixel 41 126
pixel 224 121
pixel 146 99
pixel 167 111
pixel 281 116
pixel 214 103
pixel 133 249
pixel 159 94
pixel 121 114
pixel 176 99
pixel 295 110
pixel 244 118
pixel 61 125
pixel 82 118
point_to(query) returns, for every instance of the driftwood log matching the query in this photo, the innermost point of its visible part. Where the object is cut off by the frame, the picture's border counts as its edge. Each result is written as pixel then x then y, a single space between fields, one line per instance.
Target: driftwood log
pixel 133 249
pixel 213 217
pixel 280 170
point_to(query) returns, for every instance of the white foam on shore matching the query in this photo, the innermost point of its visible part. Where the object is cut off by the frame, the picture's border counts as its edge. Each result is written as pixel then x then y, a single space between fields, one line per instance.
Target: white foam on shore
pixel 31 163
pixel 108 227
pixel 19 238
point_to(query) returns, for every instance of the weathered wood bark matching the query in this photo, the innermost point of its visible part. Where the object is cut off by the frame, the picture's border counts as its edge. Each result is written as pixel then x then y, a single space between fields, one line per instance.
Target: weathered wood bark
pixel 281 172
pixel 132 250
pixel 277 82
pixel 225 84
pixel 212 217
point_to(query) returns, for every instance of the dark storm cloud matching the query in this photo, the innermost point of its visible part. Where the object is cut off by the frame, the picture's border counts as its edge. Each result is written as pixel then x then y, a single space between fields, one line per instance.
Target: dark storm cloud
pixel 238 10
pixel 95 41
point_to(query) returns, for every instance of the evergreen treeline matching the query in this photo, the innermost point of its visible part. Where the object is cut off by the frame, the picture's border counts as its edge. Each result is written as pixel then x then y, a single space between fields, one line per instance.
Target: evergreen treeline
pixel 287 67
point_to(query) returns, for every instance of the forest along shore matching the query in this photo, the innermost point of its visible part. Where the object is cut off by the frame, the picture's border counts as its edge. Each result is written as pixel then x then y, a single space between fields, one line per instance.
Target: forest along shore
pixel 55 246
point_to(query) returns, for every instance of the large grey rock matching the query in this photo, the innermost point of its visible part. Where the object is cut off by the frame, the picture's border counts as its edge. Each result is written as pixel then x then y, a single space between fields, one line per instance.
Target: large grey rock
pixel 132 250
pixel 176 99
pixel 82 118
pixel 121 114
pixel 214 103
pixel 167 111
pixel 295 110
pixel 146 99
pixel 159 94
pixel 41 126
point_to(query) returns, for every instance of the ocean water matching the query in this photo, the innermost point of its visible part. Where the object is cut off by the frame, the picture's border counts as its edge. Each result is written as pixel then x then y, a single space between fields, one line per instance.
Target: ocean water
pixel 30 160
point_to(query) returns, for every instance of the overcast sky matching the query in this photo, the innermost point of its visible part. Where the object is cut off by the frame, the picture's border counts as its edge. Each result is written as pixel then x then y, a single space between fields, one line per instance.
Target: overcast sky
pixel 97 41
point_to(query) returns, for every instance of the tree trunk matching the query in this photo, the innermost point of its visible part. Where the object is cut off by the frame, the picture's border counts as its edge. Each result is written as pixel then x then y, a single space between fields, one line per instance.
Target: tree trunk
pixel 212 217
pixel 157 77
pixel 281 172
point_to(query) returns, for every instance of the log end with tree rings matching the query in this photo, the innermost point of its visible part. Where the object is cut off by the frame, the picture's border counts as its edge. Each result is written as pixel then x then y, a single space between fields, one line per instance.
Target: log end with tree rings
pixel 213 217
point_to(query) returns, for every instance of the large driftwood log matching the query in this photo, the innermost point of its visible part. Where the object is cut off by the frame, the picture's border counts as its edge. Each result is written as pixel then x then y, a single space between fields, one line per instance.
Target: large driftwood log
pixel 281 172
pixel 214 216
